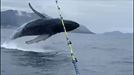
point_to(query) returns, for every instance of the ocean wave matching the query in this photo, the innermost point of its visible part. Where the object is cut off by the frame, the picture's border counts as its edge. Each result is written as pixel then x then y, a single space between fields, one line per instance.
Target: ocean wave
pixel 11 45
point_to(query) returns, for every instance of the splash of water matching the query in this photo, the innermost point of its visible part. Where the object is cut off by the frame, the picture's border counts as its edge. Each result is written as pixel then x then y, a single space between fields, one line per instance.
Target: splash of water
pixel 19 44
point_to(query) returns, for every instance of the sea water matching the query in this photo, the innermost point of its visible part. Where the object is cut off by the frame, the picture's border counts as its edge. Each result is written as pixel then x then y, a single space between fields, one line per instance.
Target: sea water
pixel 97 54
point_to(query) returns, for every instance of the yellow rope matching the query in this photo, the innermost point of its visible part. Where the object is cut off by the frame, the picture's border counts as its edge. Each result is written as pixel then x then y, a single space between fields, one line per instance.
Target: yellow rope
pixel 74 60
pixel 65 33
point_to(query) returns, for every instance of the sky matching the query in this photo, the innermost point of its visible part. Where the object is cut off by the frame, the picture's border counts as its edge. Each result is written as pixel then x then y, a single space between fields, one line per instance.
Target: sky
pixel 97 15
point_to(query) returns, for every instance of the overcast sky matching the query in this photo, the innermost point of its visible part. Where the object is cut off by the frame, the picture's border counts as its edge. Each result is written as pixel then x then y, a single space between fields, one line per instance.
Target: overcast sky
pixel 98 15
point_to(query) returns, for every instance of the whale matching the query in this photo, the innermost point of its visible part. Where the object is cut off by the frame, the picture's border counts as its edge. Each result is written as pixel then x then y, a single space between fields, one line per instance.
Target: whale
pixel 43 28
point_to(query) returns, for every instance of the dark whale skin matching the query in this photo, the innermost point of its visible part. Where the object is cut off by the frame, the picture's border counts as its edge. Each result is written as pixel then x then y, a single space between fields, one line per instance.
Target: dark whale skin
pixel 41 26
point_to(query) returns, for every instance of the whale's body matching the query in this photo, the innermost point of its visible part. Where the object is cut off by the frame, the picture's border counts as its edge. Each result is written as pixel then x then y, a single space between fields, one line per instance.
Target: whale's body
pixel 43 27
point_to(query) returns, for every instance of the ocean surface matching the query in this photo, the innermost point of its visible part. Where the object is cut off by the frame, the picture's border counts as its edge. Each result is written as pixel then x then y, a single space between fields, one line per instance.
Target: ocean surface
pixel 97 54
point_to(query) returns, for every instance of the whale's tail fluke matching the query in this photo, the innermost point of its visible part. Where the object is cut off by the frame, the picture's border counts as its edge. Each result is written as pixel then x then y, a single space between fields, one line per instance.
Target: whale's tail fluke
pixel 36 12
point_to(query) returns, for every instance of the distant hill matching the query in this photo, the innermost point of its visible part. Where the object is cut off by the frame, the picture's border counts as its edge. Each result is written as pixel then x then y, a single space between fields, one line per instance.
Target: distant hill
pixel 82 29
pixel 15 18
pixel 113 33
pixel 116 33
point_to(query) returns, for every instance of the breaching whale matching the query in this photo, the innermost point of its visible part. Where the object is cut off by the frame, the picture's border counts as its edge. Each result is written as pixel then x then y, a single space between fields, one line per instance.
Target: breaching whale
pixel 43 27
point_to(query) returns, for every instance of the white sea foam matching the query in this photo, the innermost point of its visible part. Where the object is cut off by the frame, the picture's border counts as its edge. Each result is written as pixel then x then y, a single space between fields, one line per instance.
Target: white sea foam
pixel 19 44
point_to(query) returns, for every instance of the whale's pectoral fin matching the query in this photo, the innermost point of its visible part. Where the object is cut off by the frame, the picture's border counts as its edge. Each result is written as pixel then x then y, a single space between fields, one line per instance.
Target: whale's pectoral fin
pixel 38 39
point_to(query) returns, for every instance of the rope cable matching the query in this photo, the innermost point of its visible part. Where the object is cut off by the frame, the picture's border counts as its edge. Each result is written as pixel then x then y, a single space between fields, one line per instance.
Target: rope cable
pixel 74 59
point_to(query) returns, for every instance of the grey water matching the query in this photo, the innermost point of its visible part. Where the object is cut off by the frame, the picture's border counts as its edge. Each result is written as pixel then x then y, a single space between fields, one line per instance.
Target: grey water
pixel 97 54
